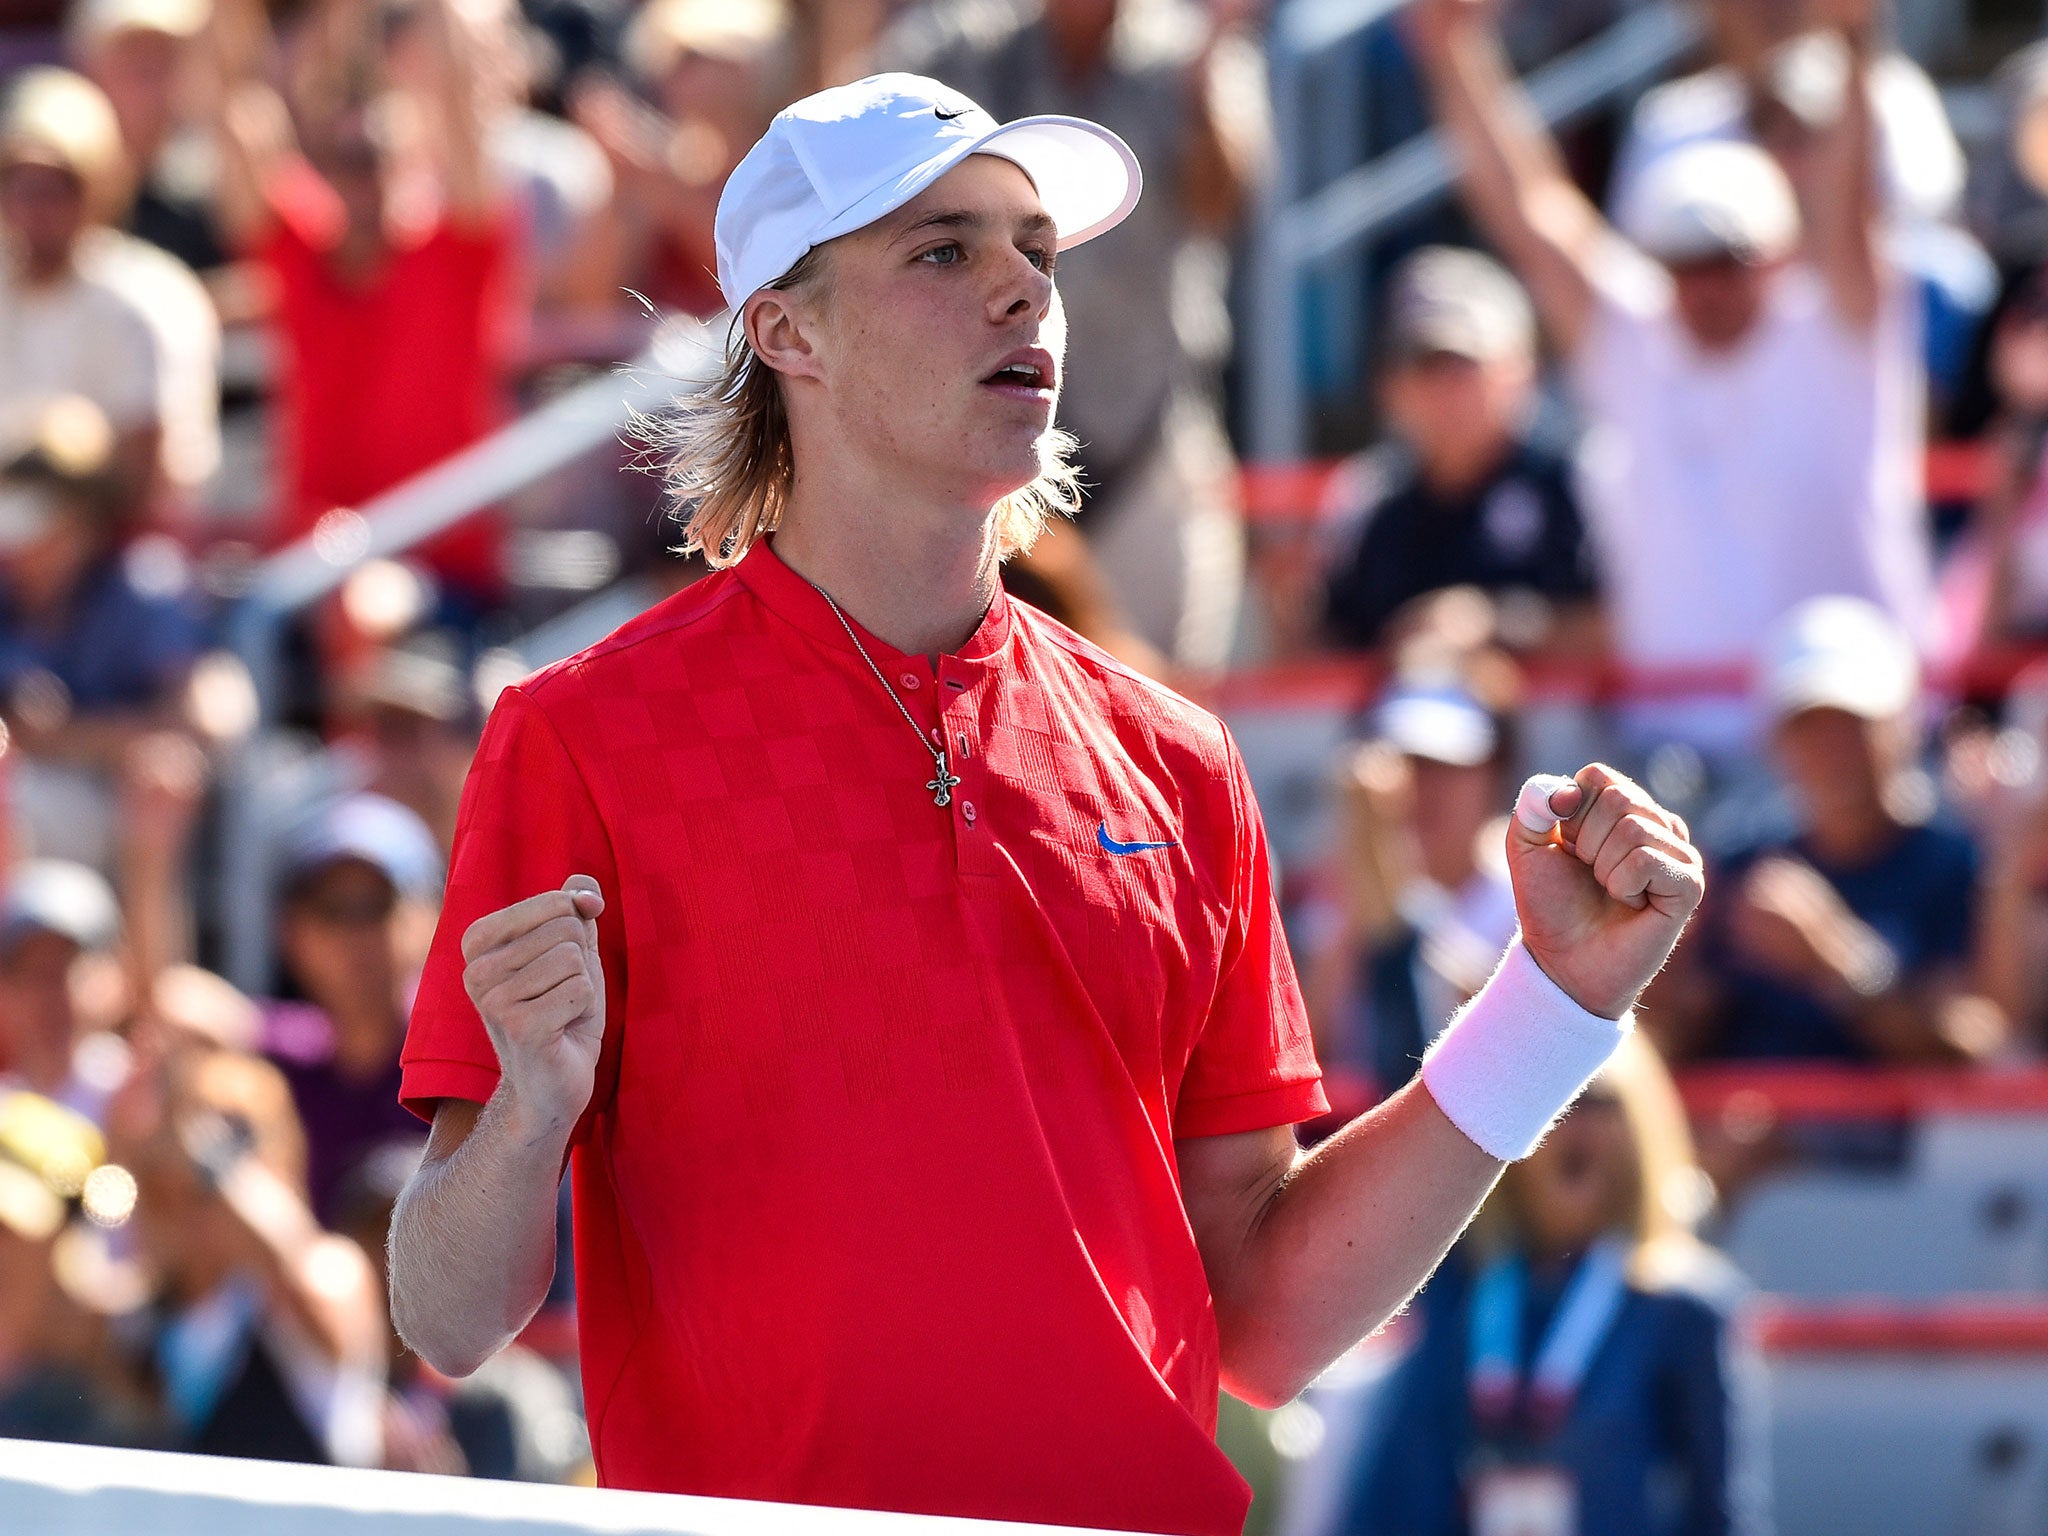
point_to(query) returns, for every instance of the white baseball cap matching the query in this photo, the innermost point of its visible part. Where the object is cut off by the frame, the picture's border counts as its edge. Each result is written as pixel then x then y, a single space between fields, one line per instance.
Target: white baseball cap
pixel 1839 653
pixel 1713 199
pixel 843 158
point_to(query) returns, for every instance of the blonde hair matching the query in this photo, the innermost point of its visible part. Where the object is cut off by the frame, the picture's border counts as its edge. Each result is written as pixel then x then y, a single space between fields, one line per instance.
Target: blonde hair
pixel 1667 1191
pixel 725 457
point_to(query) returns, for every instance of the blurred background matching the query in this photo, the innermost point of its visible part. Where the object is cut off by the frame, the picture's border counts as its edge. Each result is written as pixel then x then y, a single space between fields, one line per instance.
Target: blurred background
pixel 1479 388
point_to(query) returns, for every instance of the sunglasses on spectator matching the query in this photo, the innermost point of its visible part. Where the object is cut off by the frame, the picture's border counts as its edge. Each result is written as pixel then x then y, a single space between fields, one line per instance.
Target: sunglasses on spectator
pixel 364 911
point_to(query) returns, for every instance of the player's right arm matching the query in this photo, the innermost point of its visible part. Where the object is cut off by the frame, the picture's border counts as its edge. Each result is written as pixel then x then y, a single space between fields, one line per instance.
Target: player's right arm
pixel 1515 181
pixel 473 1237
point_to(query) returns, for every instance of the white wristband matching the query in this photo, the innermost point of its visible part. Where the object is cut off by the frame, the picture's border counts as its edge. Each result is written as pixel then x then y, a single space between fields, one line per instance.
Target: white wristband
pixel 1513 1059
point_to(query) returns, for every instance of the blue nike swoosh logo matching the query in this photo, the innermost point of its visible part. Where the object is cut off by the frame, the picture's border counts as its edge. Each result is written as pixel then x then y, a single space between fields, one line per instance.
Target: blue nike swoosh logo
pixel 1111 845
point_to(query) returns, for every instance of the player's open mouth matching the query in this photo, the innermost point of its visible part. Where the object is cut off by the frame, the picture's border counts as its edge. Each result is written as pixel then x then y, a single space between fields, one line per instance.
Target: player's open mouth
pixel 1029 373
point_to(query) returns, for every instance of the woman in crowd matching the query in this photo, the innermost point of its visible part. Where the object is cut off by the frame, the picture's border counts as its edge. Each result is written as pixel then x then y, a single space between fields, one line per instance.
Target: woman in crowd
pixel 1573 1371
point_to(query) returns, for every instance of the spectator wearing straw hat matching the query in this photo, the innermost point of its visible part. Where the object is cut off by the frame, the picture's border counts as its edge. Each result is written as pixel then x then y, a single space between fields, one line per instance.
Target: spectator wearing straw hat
pixel 66 325
pixel 1470 493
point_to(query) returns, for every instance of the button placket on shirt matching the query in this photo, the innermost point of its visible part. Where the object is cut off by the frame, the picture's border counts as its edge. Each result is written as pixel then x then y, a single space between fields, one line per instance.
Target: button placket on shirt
pixel 958 714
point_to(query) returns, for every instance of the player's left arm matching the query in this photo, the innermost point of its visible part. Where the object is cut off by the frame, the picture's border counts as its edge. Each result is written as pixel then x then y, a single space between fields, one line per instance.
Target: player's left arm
pixel 1307 1253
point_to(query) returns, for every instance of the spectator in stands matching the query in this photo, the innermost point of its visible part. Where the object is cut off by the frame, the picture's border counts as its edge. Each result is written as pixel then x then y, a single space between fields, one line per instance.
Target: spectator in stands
pixel 269 1332
pixel 2009 532
pixel 1999 777
pixel 1147 328
pixel 1854 938
pixel 1776 83
pixel 1574 1366
pixel 1744 358
pixel 68 326
pixel 1423 868
pixel 96 643
pixel 393 252
pixel 139 52
pixel 412 710
pixel 361 887
pixel 60 1376
pixel 53 913
pixel 710 73
pixel 1468 494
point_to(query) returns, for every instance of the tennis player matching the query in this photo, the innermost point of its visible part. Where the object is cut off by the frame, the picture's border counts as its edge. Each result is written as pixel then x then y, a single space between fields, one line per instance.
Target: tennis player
pixel 903 973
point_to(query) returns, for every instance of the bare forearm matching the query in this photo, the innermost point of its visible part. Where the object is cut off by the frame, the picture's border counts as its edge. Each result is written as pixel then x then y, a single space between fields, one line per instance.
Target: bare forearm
pixel 473 1238
pixel 1346 1240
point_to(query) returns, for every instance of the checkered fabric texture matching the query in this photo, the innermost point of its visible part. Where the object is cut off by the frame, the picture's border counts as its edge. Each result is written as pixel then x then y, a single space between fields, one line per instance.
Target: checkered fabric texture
pixel 879 1170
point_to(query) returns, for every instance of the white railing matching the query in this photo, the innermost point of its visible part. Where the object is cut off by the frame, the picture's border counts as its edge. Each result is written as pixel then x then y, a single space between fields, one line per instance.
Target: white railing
pixel 77 1490
pixel 1297 230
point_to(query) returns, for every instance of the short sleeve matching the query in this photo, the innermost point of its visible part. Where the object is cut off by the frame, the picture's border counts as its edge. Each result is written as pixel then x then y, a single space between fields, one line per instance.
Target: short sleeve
pixel 1254 1063
pixel 526 823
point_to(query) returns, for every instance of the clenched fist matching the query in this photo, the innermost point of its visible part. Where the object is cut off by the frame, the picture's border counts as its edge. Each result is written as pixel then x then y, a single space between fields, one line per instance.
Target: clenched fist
pixel 1604 885
pixel 532 969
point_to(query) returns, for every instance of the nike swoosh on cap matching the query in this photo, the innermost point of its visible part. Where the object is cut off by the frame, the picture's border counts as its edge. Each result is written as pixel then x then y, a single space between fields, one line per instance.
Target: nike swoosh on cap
pixel 947 117
pixel 1111 845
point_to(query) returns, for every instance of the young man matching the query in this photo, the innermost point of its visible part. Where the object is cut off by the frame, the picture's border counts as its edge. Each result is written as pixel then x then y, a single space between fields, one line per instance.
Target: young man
pixel 903 972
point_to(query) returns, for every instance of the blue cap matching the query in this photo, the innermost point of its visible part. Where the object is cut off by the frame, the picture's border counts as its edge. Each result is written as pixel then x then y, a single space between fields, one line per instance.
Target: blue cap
pixel 374 829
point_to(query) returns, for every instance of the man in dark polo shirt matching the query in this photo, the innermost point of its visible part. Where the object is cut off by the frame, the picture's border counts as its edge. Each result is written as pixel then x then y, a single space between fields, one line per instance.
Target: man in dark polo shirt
pixel 1469 492
pixel 899 973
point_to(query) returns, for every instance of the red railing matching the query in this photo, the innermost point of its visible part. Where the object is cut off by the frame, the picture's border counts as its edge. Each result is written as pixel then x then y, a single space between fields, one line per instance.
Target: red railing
pixel 1869 1327
pixel 1811 1092
pixel 1278 495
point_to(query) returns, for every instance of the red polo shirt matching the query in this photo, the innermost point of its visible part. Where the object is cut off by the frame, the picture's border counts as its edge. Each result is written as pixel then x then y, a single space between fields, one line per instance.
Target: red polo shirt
pixel 876 1200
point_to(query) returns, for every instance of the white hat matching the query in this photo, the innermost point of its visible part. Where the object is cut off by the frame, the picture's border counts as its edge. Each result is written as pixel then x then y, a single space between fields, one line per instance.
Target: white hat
pixel 93 20
pixel 1445 298
pixel 841 159
pixel 1839 653
pixel 1444 724
pixel 1713 199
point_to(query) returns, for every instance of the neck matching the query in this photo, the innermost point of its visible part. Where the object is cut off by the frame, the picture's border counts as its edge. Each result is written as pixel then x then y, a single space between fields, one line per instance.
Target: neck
pixel 1850 834
pixel 918 576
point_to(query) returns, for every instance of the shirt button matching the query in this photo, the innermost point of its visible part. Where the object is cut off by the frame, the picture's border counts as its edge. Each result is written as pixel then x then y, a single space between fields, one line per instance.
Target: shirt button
pixel 909 681
pixel 967 810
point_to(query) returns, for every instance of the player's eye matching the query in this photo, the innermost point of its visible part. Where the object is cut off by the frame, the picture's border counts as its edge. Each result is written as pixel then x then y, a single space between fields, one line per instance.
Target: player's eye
pixel 947 255
pixel 1040 257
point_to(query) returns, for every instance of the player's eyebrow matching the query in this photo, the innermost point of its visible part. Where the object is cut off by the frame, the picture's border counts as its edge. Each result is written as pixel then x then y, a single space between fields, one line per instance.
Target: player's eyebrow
pixel 967 221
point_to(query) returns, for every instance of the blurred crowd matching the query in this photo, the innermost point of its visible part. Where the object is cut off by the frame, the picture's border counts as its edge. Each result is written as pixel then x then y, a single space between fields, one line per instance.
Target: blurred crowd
pixel 1645 478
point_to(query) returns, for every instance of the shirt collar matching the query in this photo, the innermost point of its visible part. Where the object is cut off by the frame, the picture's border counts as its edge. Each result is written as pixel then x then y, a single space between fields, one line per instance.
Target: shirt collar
pixel 796 601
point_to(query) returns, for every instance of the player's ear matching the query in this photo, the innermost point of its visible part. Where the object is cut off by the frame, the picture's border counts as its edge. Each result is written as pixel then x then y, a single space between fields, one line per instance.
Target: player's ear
pixel 781 328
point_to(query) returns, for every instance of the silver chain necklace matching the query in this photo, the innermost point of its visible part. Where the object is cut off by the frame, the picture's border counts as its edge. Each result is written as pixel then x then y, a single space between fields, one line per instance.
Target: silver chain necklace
pixel 941 784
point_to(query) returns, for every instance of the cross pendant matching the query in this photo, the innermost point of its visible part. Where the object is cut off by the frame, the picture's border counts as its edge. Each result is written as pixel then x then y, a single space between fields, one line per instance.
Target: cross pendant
pixel 942 786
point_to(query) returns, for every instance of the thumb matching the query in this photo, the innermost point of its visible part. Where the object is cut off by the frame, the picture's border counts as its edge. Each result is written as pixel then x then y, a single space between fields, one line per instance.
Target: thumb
pixel 589 902
pixel 1546 799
